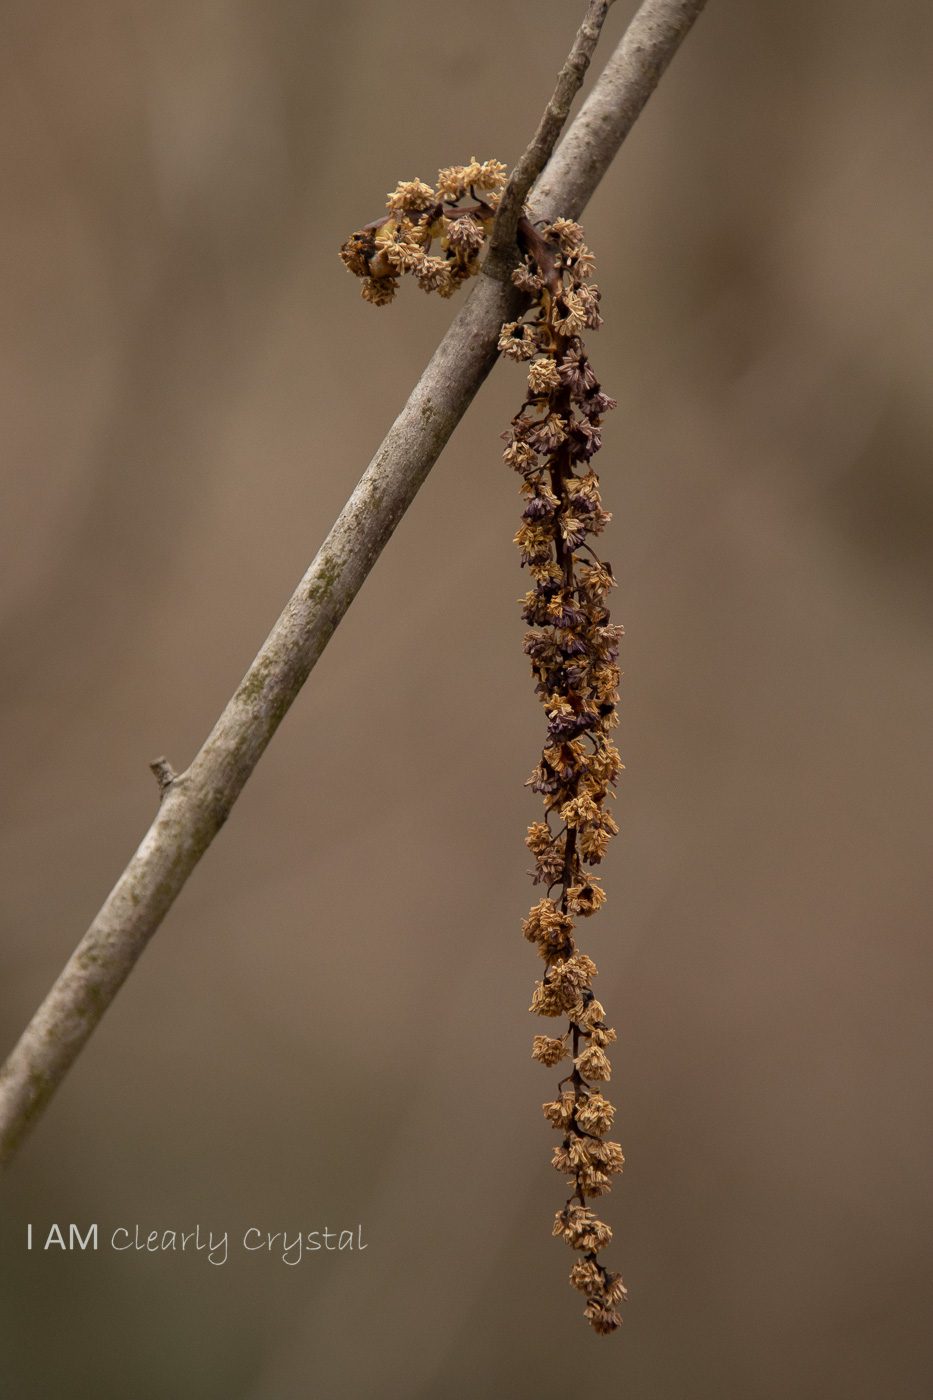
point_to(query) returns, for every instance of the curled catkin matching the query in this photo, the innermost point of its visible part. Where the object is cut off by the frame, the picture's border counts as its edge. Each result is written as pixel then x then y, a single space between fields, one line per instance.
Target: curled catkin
pixel 420 218
pixel 436 235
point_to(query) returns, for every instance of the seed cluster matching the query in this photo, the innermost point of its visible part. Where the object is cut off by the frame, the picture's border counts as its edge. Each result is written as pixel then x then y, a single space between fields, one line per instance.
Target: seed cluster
pixel 572 645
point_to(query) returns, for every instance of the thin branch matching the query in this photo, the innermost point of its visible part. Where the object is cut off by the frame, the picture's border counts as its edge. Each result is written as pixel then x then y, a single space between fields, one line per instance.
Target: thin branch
pixel 539 149
pixel 196 803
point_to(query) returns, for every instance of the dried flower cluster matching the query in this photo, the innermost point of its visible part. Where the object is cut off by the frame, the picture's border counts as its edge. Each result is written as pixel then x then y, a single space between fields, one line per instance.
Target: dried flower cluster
pixel 417 217
pixel 572 645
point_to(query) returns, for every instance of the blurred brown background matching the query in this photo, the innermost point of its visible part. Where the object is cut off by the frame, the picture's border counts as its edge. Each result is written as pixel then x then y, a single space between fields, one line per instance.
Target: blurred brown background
pixel 331 1027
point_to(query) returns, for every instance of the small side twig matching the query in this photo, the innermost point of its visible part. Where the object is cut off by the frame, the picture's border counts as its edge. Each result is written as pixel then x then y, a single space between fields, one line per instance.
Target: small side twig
pixel 165 775
pixel 538 151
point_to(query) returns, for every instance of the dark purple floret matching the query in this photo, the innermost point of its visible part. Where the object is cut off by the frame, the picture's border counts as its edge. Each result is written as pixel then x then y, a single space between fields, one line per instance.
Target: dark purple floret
pixel 535 612
pixel 586 440
pixel 595 405
pixel 568 726
pixel 538 508
pixel 574 538
pixel 547 782
pixel 571 616
pixel 537 645
pixel 575 371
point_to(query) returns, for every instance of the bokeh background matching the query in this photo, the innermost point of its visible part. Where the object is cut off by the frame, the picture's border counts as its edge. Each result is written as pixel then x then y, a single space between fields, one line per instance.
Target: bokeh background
pixel 331 1027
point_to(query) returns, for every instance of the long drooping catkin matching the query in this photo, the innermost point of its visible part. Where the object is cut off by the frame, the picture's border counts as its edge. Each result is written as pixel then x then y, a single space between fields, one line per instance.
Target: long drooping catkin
pixel 574 649
pixel 572 645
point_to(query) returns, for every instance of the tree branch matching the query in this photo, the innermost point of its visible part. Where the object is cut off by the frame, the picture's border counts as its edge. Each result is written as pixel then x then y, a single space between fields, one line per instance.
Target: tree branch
pixel 196 803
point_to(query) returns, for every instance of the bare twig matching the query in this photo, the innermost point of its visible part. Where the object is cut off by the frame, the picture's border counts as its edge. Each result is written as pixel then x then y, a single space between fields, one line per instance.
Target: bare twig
pixel 539 148
pixel 196 803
